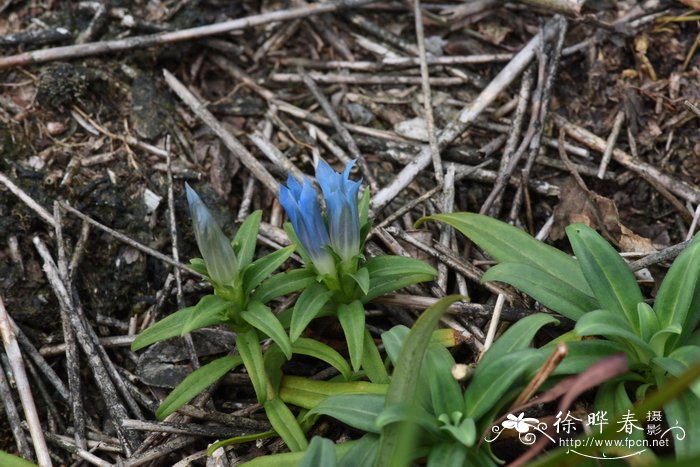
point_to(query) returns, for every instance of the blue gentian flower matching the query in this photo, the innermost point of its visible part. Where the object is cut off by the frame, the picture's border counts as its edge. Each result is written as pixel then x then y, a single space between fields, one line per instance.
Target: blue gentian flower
pixel 215 247
pixel 340 195
pixel 303 210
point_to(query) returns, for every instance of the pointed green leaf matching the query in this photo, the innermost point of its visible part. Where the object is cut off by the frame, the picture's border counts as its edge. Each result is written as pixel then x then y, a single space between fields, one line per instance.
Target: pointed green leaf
pixel 518 336
pixel 283 284
pixel 285 424
pixel 658 342
pixel 404 382
pixel 382 285
pixel 352 320
pixel 9 460
pixel 356 410
pixel 508 244
pixel 549 290
pixel 362 453
pixel 308 305
pixel 264 320
pixel 210 310
pixel 316 349
pixel 411 413
pixel 363 206
pixel 321 452
pixel 676 296
pixel 361 278
pixel 445 393
pixel 372 362
pixel 292 459
pixel 195 383
pixel 257 271
pixel 648 322
pixel 249 349
pixel 611 324
pixel 491 381
pixel 448 455
pixel 606 272
pixel 391 266
pixel 683 412
pixel 244 241
pixel 198 265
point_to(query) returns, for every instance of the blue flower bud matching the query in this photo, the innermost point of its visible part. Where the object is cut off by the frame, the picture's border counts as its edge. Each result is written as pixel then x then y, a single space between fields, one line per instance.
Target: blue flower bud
pixel 215 247
pixel 303 210
pixel 340 194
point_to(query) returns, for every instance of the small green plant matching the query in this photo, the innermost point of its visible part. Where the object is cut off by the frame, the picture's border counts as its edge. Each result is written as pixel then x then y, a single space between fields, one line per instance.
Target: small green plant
pixel 335 280
pixel 424 412
pixel 332 250
pixel 598 290
pixel 242 287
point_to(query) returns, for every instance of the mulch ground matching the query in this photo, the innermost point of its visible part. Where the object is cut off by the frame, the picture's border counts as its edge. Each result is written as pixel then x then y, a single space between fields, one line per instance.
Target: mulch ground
pixel 540 120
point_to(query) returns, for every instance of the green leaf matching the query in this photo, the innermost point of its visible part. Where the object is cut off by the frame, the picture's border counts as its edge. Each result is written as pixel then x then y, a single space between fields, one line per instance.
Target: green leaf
pixel 356 410
pixel 491 381
pixel 308 393
pixel 316 349
pixel 508 244
pixel 448 455
pixel 283 284
pixel 263 319
pixel 352 320
pixel 393 341
pixel 362 453
pixel 611 324
pixel 582 354
pixel 285 424
pixel 321 452
pixel 549 290
pixel 660 338
pixel 249 349
pixel 8 460
pixel 607 274
pixel 445 393
pixel 361 278
pixel 308 305
pixel 683 412
pixel 199 265
pixel 292 459
pixel 517 337
pixel 464 433
pixel 392 266
pixel 244 241
pixel 195 383
pixel 239 440
pixel 648 322
pixel 382 285
pixel 678 290
pixel 273 359
pixel 372 362
pixel 411 413
pixel 679 361
pixel 210 310
pixel 404 382
pixel 257 271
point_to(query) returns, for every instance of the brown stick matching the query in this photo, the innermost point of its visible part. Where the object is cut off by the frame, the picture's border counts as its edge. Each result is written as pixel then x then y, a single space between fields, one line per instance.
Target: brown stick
pixel 679 187
pixel 96 48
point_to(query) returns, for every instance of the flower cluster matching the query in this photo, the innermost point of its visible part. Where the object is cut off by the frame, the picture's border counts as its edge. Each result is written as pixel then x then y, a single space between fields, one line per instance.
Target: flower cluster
pixel 342 234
